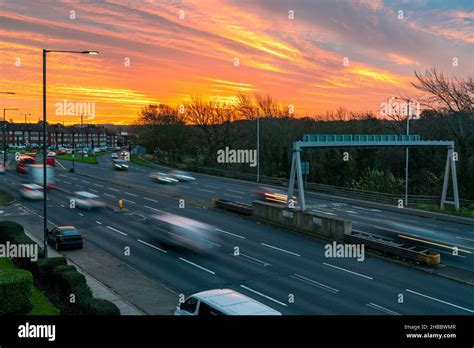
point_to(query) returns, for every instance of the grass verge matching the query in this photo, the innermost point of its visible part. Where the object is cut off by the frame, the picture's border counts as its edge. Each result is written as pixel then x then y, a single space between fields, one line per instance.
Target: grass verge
pixel 140 161
pixel 465 211
pixel 5 198
pixel 68 157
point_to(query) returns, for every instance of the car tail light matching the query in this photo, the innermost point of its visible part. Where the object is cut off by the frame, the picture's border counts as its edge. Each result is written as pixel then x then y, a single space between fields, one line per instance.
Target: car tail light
pixel 61 239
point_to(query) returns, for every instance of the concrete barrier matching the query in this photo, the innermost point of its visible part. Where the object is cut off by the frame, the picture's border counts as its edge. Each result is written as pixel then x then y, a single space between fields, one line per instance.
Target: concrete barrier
pixel 312 223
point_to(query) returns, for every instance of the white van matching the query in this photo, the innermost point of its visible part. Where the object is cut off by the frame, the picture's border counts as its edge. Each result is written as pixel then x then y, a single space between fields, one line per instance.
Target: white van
pixel 222 302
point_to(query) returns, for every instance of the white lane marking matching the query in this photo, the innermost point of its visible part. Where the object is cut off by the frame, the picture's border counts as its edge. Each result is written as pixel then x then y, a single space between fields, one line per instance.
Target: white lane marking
pixel 93 190
pixel 322 212
pixel 62 206
pixel 98 223
pixel 106 194
pixel 235 191
pixel 67 182
pixel 229 195
pixel 251 259
pixel 472 240
pixel 80 214
pixel 151 200
pixel 356 207
pixel 126 200
pixel 86 182
pixel 366 218
pixel 214 187
pixel 131 194
pixel 283 250
pixel 112 189
pixel 115 230
pixel 314 283
pixel 441 301
pixel 263 295
pixel 98 185
pixel 382 309
pixel 151 245
pixel 372 234
pixel 346 270
pixel 196 265
pixel 188 187
pixel 74 179
pixel 229 233
pixel 80 186
pixel 199 189
pixel 158 210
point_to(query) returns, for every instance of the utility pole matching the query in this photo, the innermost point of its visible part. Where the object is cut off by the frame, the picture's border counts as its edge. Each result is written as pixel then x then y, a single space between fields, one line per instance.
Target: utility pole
pixel 258 148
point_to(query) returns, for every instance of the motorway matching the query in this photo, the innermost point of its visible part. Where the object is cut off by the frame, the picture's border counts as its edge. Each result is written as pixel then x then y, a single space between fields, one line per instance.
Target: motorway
pixel 273 265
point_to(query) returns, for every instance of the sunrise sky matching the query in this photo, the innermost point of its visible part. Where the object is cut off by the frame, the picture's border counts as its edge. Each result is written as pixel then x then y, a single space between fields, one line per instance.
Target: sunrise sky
pixel 183 48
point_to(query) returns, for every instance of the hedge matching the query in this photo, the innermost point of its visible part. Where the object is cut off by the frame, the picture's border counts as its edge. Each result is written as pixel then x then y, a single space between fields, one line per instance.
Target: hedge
pixel 44 271
pixel 15 291
pixel 100 306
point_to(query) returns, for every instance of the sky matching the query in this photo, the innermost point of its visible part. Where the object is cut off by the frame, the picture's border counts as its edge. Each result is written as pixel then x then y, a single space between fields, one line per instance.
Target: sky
pixel 312 55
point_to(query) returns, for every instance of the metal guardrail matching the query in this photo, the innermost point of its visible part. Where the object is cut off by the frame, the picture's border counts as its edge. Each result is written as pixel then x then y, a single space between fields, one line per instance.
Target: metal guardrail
pixel 236 207
pixel 385 245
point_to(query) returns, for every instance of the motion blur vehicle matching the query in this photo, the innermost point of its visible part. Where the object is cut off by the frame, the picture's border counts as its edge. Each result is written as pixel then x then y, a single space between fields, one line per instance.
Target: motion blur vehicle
pixel 271 194
pixel 163 178
pixel 222 302
pixel 119 164
pixel 22 163
pixel 51 159
pixel 87 200
pixel 114 155
pixel 63 237
pixel 186 233
pixel 2 169
pixel 32 191
pixel 35 173
pixel 181 175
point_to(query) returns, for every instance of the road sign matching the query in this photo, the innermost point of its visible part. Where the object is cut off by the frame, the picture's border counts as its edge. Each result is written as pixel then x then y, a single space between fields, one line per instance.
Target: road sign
pixel 304 168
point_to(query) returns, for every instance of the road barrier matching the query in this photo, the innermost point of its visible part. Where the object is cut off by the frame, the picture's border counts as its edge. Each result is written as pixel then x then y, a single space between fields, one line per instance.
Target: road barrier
pixel 312 223
pixel 414 253
pixel 236 207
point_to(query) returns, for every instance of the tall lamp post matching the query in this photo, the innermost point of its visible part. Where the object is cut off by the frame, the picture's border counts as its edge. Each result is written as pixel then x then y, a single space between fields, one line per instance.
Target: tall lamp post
pixel 5 135
pixel 258 148
pixel 407 150
pixel 45 147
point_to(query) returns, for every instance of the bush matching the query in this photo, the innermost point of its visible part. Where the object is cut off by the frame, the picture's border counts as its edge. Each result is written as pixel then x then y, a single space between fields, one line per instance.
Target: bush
pixel 44 271
pixel 15 291
pixel 73 294
pixel 103 307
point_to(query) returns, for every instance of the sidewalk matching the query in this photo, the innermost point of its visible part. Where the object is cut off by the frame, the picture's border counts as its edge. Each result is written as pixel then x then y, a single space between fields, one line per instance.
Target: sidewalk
pixel 109 278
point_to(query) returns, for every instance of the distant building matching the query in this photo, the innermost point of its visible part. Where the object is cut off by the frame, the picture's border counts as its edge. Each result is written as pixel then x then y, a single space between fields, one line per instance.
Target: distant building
pixel 31 134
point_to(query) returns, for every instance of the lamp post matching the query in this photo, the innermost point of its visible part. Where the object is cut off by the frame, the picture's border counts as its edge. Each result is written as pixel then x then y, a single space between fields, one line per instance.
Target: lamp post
pixel 5 135
pixel 258 148
pixel 26 116
pixel 45 147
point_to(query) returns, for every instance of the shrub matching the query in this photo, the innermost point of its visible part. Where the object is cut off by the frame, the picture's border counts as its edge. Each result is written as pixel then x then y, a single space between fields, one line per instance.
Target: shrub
pixel 44 271
pixel 103 307
pixel 73 293
pixel 15 291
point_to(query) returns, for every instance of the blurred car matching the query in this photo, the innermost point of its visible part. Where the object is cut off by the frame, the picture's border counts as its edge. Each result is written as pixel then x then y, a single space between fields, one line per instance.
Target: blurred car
pixel 114 155
pixel 32 191
pixel 65 237
pixel 163 178
pixel 271 194
pixel 181 175
pixel 119 164
pixel 222 302
pixel 186 233
pixel 87 200
pixel 2 169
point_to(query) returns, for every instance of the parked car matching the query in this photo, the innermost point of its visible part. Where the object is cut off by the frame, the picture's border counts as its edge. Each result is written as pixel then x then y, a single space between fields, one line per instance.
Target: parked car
pixel 32 191
pixel 87 200
pixel 163 178
pixel 222 302
pixel 181 175
pixel 65 237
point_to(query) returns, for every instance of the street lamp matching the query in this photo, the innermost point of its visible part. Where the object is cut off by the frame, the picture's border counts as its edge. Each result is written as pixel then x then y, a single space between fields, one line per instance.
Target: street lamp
pixel 258 148
pixel 45 211
pixel 5 136
pixel 406 151
pixel 25 116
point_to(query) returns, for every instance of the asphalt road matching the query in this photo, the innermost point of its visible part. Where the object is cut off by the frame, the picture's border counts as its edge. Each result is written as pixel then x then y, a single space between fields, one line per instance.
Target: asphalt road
pixel 437 235
pixel 273 265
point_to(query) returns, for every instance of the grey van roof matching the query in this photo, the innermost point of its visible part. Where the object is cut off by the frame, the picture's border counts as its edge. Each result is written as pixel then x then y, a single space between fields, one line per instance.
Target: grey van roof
pixel 231 302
